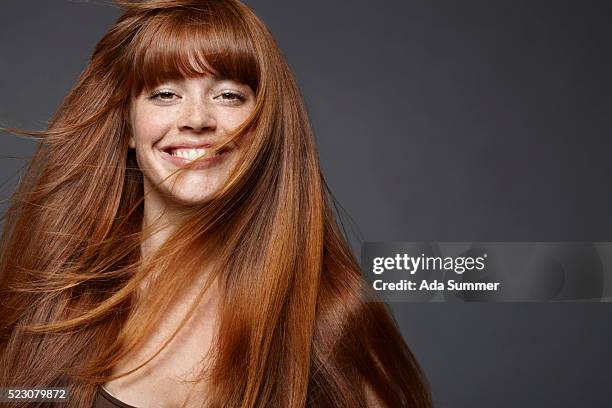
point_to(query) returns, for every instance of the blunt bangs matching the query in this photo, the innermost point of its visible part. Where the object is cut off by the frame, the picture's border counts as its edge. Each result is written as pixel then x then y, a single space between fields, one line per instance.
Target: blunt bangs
pixel 188 42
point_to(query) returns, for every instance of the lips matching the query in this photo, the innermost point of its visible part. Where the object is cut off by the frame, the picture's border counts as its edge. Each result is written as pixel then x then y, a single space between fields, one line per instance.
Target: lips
pixel 187 144
pixel 192 154
pixel 181 154
pixel 192 151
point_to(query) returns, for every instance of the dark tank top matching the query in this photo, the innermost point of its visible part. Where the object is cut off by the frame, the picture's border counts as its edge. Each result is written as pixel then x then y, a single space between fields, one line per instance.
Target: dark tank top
pixel 105 400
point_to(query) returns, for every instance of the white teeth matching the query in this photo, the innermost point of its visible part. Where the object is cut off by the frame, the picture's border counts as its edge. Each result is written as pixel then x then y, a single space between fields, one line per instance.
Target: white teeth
pixel 190 154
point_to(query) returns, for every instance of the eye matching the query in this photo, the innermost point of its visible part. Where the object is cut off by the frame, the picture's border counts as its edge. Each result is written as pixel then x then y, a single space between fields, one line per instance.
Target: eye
pixel 163 95
pixel 230 97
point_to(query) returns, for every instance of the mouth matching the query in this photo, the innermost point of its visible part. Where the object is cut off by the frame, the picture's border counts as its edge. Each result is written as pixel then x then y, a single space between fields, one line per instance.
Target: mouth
pixel 193 153
pixel 182 156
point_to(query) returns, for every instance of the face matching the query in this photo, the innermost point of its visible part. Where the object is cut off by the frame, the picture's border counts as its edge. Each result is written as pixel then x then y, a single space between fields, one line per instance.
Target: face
pixel 181 120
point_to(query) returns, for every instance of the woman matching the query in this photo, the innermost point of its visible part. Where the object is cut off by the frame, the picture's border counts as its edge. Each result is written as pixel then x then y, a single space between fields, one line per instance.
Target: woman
pixel 173 241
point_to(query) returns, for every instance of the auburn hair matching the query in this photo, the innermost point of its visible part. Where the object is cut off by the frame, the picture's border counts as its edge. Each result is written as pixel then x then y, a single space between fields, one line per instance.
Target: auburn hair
pixel 295 327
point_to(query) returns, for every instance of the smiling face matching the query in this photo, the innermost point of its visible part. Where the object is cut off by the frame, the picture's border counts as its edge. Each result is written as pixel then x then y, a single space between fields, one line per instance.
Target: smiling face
pixel 181 120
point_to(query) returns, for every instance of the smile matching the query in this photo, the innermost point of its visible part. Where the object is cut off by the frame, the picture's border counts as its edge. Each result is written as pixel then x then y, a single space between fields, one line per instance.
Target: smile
pixel 190 154
pixel 181 157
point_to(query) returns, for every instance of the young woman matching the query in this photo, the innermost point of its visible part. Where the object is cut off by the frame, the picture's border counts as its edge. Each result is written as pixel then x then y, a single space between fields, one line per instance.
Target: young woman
pixel 173 242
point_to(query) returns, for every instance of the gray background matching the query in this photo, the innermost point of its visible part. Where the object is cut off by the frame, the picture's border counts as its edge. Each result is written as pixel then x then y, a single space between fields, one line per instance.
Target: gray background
pixel 436 121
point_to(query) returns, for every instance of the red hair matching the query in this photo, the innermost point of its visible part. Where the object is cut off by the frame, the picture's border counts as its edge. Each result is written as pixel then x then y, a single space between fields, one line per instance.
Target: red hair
pixel 296 328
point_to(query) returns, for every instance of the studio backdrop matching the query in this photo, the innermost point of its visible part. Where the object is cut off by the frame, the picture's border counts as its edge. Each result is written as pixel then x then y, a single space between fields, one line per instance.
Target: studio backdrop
pixel 436 121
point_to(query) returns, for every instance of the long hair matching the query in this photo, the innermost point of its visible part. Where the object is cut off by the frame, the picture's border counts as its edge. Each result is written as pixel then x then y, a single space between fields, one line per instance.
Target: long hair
pixel 294 329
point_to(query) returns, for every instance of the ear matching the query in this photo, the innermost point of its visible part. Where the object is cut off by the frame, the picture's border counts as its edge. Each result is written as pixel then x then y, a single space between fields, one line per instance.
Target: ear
pixel 132 143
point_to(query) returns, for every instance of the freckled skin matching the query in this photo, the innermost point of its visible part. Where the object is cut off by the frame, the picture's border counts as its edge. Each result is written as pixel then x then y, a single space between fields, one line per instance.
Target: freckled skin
pixel 198 110
pixel 191 109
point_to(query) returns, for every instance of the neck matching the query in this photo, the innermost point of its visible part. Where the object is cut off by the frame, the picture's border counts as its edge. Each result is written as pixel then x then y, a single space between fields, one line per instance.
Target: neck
pixel 160 221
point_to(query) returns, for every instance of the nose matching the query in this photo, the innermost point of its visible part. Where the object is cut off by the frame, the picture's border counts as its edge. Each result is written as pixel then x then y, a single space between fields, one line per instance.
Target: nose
pixel 196 116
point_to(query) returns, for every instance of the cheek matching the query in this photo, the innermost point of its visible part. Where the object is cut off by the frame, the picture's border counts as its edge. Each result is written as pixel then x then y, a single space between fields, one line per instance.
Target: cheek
pixel 233 119
pixel 149 127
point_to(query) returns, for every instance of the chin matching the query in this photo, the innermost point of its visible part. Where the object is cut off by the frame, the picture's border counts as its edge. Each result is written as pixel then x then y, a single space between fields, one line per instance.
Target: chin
pixel 190 188
pixel 190 197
